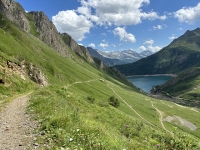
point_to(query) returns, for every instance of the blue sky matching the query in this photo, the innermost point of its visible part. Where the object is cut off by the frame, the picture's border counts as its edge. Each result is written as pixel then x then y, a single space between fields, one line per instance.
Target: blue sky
pixel 117 25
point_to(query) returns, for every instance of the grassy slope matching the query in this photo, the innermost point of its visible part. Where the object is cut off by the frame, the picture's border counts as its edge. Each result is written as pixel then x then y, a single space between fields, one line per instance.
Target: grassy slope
pixel 69 119
pixel 180 55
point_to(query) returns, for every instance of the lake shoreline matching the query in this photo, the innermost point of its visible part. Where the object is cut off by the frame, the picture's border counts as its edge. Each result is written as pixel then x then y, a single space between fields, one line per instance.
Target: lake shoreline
pixel 171 75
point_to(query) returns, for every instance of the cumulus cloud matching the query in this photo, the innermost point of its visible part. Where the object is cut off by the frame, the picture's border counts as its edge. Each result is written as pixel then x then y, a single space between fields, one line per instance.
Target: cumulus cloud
pixel 188 14
pixel 75 25
pixel 172 37
pixel 159 27
pixel 154 48
pixel 143 48
pixel 149 42
pixel 78 22
pixel 123 35
pixel 150 46
pixel 103 45
pixel 92 45
pixel 127 12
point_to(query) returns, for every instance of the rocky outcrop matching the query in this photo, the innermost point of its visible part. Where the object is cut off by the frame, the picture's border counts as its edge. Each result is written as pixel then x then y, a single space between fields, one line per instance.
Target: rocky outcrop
pixel 34 73
pixel 48 33
pixel 17 69
pixel 78 49
pixel 14 12
pixel 37 75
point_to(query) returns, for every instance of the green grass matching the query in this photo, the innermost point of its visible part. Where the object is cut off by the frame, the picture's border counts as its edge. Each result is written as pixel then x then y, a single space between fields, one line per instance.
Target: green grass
pixel 68 120
pixel 33 29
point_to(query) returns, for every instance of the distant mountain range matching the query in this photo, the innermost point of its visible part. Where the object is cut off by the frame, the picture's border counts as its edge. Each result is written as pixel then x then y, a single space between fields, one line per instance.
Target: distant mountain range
pixel 181 57
pixel 183 53
pixel 118 58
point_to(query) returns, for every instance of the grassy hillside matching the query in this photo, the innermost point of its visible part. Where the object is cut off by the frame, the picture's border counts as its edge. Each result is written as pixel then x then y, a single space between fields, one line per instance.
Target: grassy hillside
pixel 183 88
pixel 183 53
pixel 74 110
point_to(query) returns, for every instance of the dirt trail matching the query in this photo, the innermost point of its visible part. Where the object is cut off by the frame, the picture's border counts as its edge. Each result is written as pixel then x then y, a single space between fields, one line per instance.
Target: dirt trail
pixel 129 106
pixel 161 119
pixel 15 126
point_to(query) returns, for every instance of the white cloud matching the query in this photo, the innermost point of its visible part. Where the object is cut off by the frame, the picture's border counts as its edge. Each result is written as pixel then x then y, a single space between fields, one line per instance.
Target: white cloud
pixel 117 12
pixel 188 14
pixel 180 29
pixel 104 34
pixel 124 36
pixel 149 42
pixel 75 25
pixel 103 45
pixel 154 48
pixel 159 27
pixel 92 45
pixel 80 44
pixel 172 37
pixel 142 48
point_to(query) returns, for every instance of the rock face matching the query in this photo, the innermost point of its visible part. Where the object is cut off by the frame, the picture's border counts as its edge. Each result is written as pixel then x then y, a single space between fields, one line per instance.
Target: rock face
pixel 78 49
pixel 48 34
pixel 14 12
pixel 43 28
pixel 37 75
pixel 34 72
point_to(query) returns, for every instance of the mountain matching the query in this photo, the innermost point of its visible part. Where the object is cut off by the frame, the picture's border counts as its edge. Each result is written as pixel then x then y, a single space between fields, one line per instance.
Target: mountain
pixel 78 103
pixel 180 57
pixel 118 58
pixel 38 25
pixel 181 54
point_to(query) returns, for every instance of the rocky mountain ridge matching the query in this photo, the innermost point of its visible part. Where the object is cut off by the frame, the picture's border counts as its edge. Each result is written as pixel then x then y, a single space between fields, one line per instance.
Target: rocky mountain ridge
pixel 119 57
pixel 38 24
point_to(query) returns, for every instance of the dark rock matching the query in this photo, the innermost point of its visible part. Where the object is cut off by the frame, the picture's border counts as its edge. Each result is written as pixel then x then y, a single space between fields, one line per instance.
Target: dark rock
pixel 35 144
pixel 2 81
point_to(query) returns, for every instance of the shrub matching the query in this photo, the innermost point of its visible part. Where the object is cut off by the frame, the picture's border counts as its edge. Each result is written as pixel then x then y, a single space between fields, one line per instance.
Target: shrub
pixel 113 101
pixel 91 99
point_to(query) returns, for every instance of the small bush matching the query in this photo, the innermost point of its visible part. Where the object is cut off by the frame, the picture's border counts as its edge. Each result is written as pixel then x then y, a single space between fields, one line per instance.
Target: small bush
pixel 113 101
pixel 91 99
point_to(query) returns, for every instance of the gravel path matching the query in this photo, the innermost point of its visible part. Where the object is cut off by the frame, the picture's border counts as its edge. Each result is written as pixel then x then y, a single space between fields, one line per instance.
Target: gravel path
pixel 161 119
pixel 15 126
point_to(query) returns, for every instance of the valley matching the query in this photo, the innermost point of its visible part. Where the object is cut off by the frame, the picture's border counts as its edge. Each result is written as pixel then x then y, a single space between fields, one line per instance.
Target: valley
pixel 75 101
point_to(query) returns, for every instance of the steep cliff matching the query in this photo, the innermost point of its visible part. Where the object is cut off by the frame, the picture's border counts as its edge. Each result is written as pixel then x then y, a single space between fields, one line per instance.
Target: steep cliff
pixel 14 12
pixel 38 24
pixel 78 49
pixel 47 32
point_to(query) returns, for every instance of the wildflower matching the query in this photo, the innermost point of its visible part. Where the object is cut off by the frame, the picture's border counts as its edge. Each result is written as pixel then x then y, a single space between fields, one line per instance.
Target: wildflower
pixel 127 126
pixel 70 139
pixel 78 130
pixel 158 145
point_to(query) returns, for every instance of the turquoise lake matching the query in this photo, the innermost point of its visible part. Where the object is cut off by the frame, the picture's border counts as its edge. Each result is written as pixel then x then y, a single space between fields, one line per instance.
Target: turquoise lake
pixel 146 83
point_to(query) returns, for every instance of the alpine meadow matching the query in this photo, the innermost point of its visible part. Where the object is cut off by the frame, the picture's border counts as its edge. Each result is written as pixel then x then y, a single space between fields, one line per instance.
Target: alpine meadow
pixel 78 103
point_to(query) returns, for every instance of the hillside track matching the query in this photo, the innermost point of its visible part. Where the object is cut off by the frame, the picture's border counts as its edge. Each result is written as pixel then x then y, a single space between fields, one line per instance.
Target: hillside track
pixel 81 82
pixel 161 119
pixel 16 128
pixel 130 106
